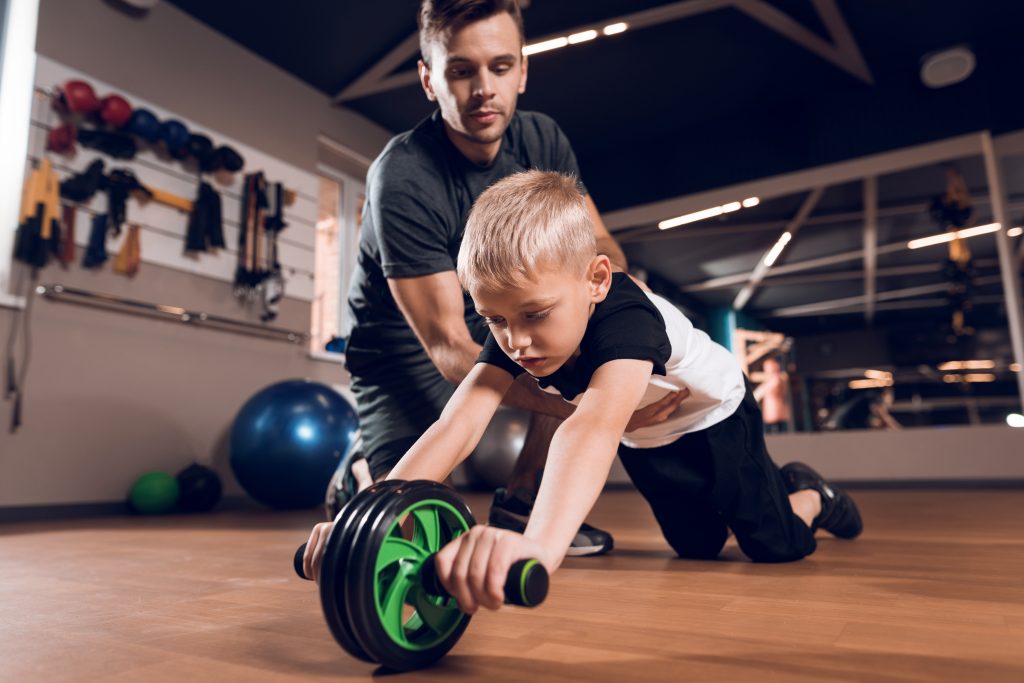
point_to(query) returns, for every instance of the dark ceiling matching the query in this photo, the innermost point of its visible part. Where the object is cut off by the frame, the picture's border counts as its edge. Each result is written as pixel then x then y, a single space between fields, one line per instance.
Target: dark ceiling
pixel 689 104
pixel 714 99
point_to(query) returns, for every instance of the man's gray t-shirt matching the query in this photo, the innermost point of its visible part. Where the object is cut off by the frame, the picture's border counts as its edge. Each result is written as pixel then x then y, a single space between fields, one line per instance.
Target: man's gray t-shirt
pixel 419 192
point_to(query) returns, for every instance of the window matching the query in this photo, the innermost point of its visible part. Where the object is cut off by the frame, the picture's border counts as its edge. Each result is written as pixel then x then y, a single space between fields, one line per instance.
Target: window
pixel 339 218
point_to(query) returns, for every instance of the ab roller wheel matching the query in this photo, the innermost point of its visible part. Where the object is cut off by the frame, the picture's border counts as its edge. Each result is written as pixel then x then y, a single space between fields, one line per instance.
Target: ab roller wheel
pixel 379 589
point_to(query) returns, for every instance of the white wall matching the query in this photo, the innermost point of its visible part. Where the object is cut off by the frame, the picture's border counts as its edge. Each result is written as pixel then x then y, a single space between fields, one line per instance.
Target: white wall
pixel 110 395
pixel 173 61
pixel 982 453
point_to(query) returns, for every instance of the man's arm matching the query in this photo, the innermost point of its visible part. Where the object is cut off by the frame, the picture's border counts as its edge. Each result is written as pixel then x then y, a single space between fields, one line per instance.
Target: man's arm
pixel 456 433
pixel 606 244
pixel 433 306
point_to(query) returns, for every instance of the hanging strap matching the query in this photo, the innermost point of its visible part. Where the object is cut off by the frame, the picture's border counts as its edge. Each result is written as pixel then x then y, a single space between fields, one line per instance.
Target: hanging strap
pixel 16 377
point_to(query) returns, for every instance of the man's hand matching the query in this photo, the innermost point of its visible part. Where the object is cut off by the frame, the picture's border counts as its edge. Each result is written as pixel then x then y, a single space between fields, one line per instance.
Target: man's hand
pixel 473 568
pixel 657 412
pixel 315 550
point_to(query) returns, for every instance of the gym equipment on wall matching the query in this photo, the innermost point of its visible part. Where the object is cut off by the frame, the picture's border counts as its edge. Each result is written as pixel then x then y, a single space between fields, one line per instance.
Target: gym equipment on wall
pixel 58 292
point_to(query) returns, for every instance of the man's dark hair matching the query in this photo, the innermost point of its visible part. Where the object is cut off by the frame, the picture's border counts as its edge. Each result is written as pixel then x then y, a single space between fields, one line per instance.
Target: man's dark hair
pixel 441 18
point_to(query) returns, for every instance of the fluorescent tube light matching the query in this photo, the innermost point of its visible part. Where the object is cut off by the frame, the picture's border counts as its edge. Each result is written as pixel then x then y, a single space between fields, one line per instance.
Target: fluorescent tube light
pixel 582 37
pixel 950 236
pixel 968 365
pixel 777 249
pixel 546 45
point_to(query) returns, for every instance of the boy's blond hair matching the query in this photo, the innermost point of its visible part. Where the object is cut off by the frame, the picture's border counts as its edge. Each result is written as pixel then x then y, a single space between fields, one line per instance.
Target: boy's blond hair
pixel 522 224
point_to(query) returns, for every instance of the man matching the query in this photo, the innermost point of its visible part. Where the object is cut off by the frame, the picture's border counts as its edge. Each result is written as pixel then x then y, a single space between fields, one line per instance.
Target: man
pixel 414 334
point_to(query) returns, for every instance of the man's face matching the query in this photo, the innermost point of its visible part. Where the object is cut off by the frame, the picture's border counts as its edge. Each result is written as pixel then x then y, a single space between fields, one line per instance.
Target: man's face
pixel 476 76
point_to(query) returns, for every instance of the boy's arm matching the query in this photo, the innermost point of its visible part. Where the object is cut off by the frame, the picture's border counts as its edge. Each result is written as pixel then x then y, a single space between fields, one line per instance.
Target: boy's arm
pixel 581 455
pixel 457 432
pixel 474 566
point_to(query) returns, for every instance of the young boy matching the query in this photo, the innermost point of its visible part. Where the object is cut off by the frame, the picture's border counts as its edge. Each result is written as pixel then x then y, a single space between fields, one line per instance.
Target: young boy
pixel 557 311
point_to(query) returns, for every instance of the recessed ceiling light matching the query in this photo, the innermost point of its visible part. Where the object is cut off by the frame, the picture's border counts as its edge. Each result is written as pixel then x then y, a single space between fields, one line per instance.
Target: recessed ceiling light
pixel 948 67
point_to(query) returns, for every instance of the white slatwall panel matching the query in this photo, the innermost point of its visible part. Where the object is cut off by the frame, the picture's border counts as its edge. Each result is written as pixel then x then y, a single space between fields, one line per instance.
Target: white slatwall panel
pixel 162 227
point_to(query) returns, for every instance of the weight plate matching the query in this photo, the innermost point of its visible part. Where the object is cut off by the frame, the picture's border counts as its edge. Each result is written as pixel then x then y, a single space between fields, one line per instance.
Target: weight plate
pixel 395 620
pixel 335 560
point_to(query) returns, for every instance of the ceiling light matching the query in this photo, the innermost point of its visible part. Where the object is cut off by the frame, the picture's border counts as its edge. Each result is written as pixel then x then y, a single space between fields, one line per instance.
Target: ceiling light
pixel 980 377
pixel 1015 232
pixel 877 374
pixel 870 383
pixel 950 236
pixel 574 39
pixel 706 213
pixel 948 67
pixel 978 230
pixel 546 45
pixel 968 365
pixel 777 249
pixel 751 201
pixel 1014 367
pixel 582 36
pixel 690 218
pixel 1015 420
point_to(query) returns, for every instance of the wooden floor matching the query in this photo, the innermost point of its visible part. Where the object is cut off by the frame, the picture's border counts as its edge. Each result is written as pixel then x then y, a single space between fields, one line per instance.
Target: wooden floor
pixel 933 591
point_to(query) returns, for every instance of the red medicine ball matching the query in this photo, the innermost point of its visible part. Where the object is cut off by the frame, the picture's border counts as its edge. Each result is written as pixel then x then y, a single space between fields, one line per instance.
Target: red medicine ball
pixel 115 111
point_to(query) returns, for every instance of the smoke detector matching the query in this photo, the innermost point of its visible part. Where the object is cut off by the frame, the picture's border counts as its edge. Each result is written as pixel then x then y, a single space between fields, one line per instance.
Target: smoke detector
pixel 941 69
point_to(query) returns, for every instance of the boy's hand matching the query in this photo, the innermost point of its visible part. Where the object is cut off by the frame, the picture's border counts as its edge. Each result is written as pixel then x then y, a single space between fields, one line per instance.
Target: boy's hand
pixel 315 550
pixel 657 412
pixel 474 566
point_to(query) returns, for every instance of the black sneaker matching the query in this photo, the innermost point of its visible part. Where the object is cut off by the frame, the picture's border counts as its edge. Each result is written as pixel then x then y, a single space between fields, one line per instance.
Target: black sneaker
pixel 511 511
pixel 839 515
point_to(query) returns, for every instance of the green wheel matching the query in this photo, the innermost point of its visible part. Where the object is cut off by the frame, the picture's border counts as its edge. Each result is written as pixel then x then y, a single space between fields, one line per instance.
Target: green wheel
pixel 397 621
pixel 336 555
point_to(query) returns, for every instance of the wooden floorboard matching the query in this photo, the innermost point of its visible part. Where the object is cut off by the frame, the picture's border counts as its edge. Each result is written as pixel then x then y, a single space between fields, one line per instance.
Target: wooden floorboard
pixel 933 591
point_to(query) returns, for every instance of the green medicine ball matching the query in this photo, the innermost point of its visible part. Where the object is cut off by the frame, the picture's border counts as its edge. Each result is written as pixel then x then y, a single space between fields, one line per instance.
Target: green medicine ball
pixel 154 493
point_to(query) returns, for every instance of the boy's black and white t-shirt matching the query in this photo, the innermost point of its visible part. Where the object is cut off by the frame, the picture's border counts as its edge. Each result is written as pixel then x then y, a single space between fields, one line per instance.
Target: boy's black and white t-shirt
pixel 634 324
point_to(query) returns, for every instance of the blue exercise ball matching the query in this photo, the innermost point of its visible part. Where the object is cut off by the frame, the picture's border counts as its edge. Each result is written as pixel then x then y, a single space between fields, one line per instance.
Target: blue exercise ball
pixel 287 441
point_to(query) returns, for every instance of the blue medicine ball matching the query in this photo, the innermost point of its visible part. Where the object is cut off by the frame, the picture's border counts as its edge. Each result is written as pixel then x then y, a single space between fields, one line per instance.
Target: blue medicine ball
pixel 287 441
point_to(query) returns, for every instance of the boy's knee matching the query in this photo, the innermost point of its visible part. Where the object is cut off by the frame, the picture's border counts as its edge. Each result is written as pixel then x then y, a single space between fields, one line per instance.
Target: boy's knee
pixel 699 548
pixel 775 554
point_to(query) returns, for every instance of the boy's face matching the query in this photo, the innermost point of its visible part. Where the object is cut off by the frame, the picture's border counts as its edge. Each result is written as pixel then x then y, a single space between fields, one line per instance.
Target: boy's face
pixel 476 76
pixel 540 324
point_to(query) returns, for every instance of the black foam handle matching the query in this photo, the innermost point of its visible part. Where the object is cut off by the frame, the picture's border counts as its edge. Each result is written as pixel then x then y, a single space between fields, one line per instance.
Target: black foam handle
pixel 526 585
pixel 297 562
